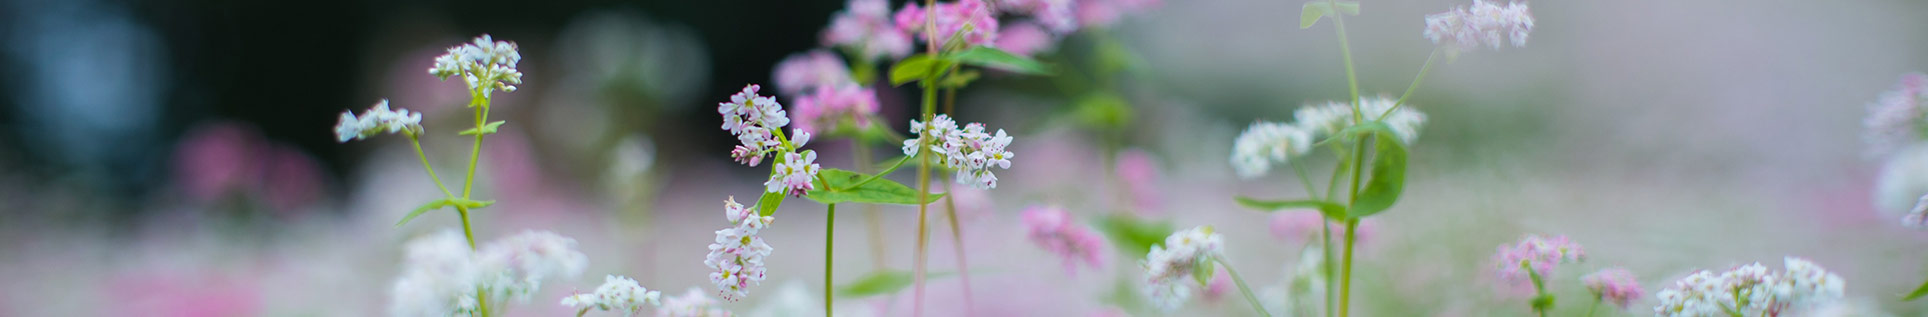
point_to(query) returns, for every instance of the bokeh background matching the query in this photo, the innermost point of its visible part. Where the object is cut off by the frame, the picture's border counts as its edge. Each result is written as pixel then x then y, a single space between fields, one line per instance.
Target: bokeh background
pixel 175 158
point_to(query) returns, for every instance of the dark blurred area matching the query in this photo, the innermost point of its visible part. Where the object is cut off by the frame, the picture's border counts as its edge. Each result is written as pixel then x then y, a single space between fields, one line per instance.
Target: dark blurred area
pixel 100 91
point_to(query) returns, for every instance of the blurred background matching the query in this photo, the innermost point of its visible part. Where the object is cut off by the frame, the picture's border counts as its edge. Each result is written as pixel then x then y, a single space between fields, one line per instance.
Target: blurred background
pixel 176 158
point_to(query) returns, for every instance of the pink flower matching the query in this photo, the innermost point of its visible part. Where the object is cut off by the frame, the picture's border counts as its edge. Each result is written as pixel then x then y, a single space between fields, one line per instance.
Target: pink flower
pixel 866 28
pixel 795 175
pixel 1534 254
pixel 971 17
pixel 1614 285
pixel 808 70
pixel 1483 24
pixel 1024 38
pixel 1220 285
pixel 1302 226
pixel 1896 119
pixel 1052 229
pixel 830 107
pixel 1054 14
pixel 1105 13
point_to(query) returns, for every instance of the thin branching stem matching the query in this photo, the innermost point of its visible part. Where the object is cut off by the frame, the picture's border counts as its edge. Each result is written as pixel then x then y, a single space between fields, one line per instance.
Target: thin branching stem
pixel 1242 289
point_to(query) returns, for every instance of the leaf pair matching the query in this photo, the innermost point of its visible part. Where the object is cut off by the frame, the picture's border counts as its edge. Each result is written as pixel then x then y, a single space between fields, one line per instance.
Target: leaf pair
pixel 464 203
pixel 925 66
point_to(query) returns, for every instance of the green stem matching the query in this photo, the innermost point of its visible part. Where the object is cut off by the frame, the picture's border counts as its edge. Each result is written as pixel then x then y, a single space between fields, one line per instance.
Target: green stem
pixel 1345 280
pixel 861 150
pixel 923 196
pixel 1415 86
pixel 416 141
pixel 1299 170
pixel 829 237
pixel 1345 50
pixel 475 151
pixel 1595 307
pixel 957 243
pixel 1539 290
pixel 1325 257
pixel 1241 285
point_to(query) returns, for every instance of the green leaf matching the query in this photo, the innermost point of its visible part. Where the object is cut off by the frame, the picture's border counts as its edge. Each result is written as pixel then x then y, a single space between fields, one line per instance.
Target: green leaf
pixel 1329 209
pixel 837 189
pixel 1316 9
pixel 958 79
pixel 1203 270
pixel 486 129
pixel 883 282
pixel 1103 110
pixel 1388 178
pixel 1131 235
pixel 1919 291
pixel 767 205
pixel 1000 59
pixel 916 67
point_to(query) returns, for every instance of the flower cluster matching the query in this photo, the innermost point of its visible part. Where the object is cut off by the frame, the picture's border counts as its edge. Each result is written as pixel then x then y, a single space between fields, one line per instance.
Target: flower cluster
pixel 442 275
pixel 486 65
pixel 831 106
pixel 1168 265
pixel 807 71
pixel 1483 24
pixel 866 28
pixel 617 293
pixel 1104 13
pixel 1536 255
pixel 1057 15
pixel 1897 118
pixel 692 304
pixel 377 120
pixel 1266 143
pixel 1616 285
pixel 969 149
pixel 753 118
pixel 1052 229
pixel 1751 290
pixel 971 19
pixel 737 255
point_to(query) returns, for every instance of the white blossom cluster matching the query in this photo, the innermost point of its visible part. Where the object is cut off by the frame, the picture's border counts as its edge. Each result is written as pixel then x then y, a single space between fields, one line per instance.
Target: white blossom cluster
pixel 969 150
pixel 1264 144
pixel 737 255
pixel 617 293
pixel 1168 266
pixel 753 119
pixel 1752 290
pixel 486 65
pixel 377 120
pixel 441 275
pixel 1483 24
pixel 1897 119
pixel 692 304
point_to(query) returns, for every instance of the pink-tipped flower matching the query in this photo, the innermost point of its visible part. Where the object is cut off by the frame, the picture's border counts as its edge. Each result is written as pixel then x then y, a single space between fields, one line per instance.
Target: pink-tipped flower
pixel 865 28
pixel 752 118
pixel 1615 285
pixel 1896 119
pixel 1054 14
pixel 736 258
pixel 1105 13
pixel 831 108
pixel 1025 38
pixel 1535 254
pixel 1051 228
pixel 805 71
pixel 971 19
pixel 1483 24
pixel 795 174
pixel 969 150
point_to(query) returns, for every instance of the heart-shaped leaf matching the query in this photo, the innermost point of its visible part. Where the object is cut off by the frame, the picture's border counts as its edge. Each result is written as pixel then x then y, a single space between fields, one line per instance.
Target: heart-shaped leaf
pixel 1329 209
pixel 995 58
pixel 1388 177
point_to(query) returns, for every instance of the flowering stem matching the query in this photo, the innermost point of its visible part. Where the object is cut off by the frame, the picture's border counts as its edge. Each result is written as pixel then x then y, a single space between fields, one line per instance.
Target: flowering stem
pixel 1345 281
pixel 829 234
pixel 1428 66
pixel 417 142
pixel 957 243
pixel 923 196
pixel 1595 307
pixel 1541 300
pixel 468 186
pixel 1325 256
pixel 1241 285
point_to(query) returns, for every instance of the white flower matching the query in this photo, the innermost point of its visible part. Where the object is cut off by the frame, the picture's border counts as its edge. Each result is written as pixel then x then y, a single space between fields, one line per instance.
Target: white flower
pixel 1324 120
pixel 692 304
pixel 486 65
pixel 753 118
pixel 1896 119
pixel 1265 143
pixel 1467 28
pixel 377 120
pixel 736 256
pixel 795 175
pixel 617 293
pixel 1168 266
pixel 1752 290
pixel 970 150
pixel 441 274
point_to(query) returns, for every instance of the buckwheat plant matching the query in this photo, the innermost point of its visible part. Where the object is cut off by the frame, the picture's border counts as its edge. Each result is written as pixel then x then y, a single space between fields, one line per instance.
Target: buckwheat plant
pixel 1615 285
pixel 1368 136
pixel 1752 290
pixel 617 293
pixel 1896 121
pixel 444 274
pixel 1532 259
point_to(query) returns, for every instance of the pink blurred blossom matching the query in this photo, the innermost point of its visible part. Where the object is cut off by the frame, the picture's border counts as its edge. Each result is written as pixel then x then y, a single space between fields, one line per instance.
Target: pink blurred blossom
pixel 1054 14
pixel 1614 285
pixel 951 17
pixel 829 106
pixel 1220 285
pixel 865 27
pixel 1105 13
pixel 805 71
pixel 170 295
pixel 1139 172
pixel 1053 229
pixel 1534 254
pixel 218 159
pixel 1025 38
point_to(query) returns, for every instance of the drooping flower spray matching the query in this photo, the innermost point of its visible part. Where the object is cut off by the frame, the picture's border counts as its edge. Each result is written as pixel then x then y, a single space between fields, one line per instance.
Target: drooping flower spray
pixel 1352 127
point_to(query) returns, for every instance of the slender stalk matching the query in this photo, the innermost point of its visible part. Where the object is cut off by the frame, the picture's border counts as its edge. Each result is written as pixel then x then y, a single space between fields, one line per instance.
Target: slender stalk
pixel 1427 67
pixel 1241 285
pixel 1345 282
pixel 923 196
pixel 1299 170
pixel 1595 307
pixel 417 142
pixel 1345 50
pixel 468 187
pixel 1539 289
pixel 829 237
pixel 861 150
pixel 957 243
pixel 1325 256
